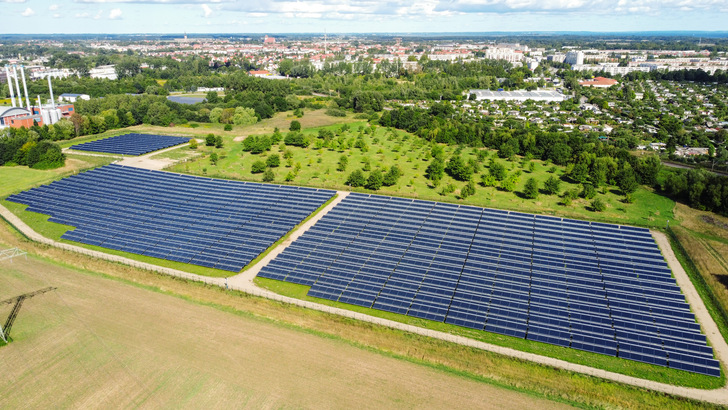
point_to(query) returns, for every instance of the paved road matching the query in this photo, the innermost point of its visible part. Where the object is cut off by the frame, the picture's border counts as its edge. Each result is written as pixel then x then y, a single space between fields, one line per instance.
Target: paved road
pixel 244 283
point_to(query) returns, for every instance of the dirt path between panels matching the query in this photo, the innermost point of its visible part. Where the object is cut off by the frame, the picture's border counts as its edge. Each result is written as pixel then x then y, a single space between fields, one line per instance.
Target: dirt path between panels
pixel 101 343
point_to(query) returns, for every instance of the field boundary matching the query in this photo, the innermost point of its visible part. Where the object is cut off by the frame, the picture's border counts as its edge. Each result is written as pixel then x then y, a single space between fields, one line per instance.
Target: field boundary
pixel 715 396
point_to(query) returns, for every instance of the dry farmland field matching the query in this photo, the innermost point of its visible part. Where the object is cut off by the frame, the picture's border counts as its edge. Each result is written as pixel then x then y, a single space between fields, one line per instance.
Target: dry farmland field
pixel 98 342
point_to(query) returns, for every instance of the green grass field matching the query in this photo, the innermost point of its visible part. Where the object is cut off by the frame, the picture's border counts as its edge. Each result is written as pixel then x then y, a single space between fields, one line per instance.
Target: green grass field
pixel 19 178
pixel 318 168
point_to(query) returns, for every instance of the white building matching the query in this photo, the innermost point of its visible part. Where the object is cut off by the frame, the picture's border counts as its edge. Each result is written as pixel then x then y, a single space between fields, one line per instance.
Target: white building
pixel 103 71
pixel 548 96
pixel 574 58
pixel 42 73
pixel 73 97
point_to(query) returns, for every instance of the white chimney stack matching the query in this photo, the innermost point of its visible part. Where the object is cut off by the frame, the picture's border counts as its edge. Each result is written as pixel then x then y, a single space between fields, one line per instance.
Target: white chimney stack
pixel 17 85
pixel 25 87
pixel 50 87
pixel 10 86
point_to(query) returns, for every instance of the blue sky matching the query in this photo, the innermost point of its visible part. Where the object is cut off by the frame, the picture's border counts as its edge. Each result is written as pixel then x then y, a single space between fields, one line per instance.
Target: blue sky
pixel 359 16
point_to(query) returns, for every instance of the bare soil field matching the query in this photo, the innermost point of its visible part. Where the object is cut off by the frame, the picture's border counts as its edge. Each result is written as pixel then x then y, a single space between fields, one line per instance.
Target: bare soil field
pixel 98 342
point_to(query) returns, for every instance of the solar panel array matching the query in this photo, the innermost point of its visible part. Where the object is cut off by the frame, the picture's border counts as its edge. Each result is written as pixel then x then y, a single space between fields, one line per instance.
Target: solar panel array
pixel 589 286
pixel 208 222
pixel 131 144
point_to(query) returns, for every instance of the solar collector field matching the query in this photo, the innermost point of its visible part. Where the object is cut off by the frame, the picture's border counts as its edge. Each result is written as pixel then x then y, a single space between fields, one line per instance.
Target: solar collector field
pixel 208 222
pixel 589 286
pixel 131 144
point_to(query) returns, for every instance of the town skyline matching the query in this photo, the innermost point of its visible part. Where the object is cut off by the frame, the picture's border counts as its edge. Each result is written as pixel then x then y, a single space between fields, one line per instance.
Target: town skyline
pixel 360 16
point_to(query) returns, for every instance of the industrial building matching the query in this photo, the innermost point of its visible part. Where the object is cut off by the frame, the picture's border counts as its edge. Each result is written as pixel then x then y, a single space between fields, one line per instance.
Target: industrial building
pixel 21 113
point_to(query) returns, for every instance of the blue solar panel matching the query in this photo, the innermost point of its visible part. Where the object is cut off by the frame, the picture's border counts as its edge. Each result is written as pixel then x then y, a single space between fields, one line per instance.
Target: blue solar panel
pixel 141 211
pixel 131 144
pixel 590 286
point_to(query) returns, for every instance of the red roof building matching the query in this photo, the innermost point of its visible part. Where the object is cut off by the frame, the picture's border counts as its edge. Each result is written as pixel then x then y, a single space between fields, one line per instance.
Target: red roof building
pixel 599 82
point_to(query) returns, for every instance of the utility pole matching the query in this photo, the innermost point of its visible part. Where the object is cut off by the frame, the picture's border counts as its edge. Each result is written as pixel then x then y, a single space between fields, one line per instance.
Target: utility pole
pixel 18 300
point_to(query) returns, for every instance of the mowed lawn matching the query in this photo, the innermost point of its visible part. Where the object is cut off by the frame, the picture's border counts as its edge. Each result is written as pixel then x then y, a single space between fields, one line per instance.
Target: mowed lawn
pixel 99 342
pixel 20 178
pixel 386 147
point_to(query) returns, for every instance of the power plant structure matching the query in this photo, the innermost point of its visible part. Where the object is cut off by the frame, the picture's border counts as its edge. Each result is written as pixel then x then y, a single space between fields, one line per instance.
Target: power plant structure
pixel 20 115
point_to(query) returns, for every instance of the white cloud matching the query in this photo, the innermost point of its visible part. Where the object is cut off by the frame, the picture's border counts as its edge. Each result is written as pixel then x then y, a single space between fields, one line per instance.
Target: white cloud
pixel 207 11
pixel 12 1
pixel 83 15
pixel 115 14
pixel 98 15
pixel 27 12
pixel 53 7
pixel 57 16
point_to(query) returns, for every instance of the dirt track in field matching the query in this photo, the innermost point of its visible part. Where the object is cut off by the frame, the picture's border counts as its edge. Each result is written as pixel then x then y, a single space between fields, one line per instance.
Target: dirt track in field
pixel 97 342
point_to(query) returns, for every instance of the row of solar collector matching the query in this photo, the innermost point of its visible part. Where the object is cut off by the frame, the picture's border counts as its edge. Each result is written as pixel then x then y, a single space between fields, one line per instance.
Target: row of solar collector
pixel 650 262
pixel 657 268
pixel 199 229
pixel 691 357
pixel 170 209
pixel 354 218
pixel 190 237
pixel 189 242
pixel 146 196
pixel 418 249
pixel 467 226
pixel 487 234
pixel 501 229
pixel 508 259
pixel 175 194
pixel 674 337
pixel 574 295
pixel 576 277
pixel 426 307
pixel 132 211
pixel 575 286
pixel 513 218
pixel 478 276
pixel 178 254
pixel 364 219
pixel 182 220
pixel 311 274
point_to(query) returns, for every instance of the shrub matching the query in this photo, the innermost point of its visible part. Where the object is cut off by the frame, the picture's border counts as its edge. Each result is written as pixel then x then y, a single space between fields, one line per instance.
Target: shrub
pixel 257 167
pixel 343 162
pixel 530 190
pixel 210 140
pixel 375 180
pixel 356 179
pixel 296 139
pixel 268 175
pixel 193 143
pixel 552 185
pixel 213 158
pixel 295 126
pixel 457 169
pixel 598 205
pixel 468 190
pixel 588 192
pixel 218 141
pixel 335 112
pixel 273 160
pixel 448 189
pixel 228 127
pixel 391 177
